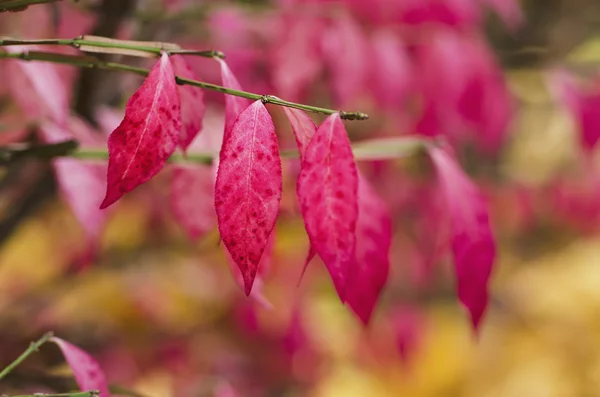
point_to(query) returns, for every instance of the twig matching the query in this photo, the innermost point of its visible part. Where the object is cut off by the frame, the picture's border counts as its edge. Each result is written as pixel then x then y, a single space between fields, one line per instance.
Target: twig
pixel 91 393
pixel 376 149
pixel 105 45
pixel 18 152
pixel 30 350
pixel 92 62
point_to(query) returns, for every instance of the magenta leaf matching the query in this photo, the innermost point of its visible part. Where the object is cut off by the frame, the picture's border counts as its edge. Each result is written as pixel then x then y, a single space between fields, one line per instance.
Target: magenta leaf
pixel 248 188
pixel 327 190
pixel 87 371
pixel 192 103
pixel 49 91
pixel 581 103
pixel 81 182
pixel 472 240
pixel 391 69
pixel 192 199
pixel 304 129
pixel 373 242
pixel 263 269
pixel 303 126
pixel 140 146
pixel 234 105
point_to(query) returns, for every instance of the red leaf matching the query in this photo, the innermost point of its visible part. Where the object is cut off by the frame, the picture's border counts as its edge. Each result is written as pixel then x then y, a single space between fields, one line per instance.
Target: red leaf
pixel 192 198
pixel 140 146
pixel 304 129
pixel 192 103
pixel 303 126
pixel 263 269
pixel 472 241
pixel 373 242
pixel 234 105
pixel 327 190
pixel 248 188
pixel 87 371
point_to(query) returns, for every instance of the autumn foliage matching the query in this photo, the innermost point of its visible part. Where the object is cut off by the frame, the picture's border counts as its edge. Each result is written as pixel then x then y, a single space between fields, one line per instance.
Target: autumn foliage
pixel 234 145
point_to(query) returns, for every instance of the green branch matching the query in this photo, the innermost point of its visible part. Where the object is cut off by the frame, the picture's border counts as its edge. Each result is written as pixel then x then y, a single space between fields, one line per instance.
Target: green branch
pixel 91 393
pixel 377 149
pixel 99 44
pixel 92 62
pixel 30 350
pixel 20 5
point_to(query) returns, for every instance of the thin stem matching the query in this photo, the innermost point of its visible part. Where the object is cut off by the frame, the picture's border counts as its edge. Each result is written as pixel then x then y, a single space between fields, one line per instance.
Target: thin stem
pixel 105 44
pixel 19 5
pixel 92 62
pixel 91 393
pixel 378 149
pixel 30 350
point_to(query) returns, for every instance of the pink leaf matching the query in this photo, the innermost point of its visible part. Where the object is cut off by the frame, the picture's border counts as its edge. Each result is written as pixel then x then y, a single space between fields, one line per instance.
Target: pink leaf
pixel 192 103
pixel 304 129
pixel 327 190
pixel 87 371
pixel 263 269
pixel 303 126
pixel 391 69
pixel 472 241
pixel 248 188
pixel 48 88
pixel 582 103
pixel 234 105
pixel 192 198
pixel 373 242
pixel 81 182
pixel 345 46
pixel 140 146
pixel 296 59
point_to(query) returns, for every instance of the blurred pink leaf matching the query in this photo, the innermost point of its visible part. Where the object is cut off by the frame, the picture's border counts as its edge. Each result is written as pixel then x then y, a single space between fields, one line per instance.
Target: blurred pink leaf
pixel 297 62
pixel 139 148
pixel 248 188
pixel 472 240
pixel 391 69
pixel 192 103
pixel 81 182
pixel 582 103
pixel 327 190
pixel 466 96
pixel 192 198
pixel 87 371
pixel 49 91
pixel 234 105
pixel 449 12
pixel 373 241
pixel 344 48
pixel 408 324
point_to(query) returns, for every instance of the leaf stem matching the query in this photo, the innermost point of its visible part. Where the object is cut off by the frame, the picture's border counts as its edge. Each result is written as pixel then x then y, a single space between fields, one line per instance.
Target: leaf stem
pixel 19 5
pixel 92 62
pixel 105 44
pixel 33 347
pixel 377 149
pixel 91 393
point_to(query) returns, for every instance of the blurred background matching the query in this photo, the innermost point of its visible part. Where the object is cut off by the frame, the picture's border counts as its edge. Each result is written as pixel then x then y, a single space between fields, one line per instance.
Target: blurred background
pixel 511 85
